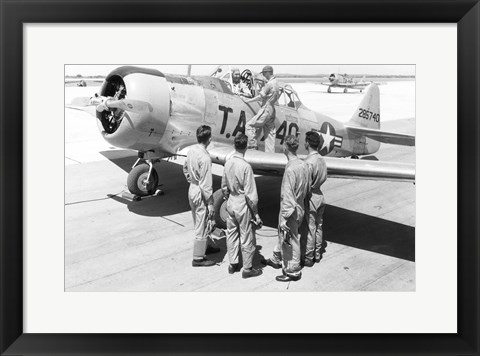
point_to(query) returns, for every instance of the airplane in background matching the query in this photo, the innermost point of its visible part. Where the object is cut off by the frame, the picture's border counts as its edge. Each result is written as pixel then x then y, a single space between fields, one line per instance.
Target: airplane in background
pixel 82 82
pixel 157 115
pixel 346 82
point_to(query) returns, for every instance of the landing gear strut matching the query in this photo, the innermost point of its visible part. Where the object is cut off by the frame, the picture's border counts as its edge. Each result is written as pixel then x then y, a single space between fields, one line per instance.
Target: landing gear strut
pixel 329 90
pixel 143 179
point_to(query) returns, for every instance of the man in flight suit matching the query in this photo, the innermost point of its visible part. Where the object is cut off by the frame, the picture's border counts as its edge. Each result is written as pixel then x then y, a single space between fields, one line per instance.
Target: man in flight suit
pixel 316 202
pixel 198 171
pixel 295 185
pixel 264 120
pixel 239 87
pixel 238 185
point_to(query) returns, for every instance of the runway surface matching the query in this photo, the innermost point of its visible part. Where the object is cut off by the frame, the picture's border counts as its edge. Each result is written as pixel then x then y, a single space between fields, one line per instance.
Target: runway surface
pixel 112 244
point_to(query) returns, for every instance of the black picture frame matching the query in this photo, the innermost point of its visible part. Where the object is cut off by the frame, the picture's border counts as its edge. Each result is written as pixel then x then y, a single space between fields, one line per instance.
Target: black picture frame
pixel 466 13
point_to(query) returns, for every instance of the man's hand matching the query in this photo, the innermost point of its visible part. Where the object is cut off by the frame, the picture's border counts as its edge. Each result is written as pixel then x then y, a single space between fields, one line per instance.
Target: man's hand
pixel 211 211
pixel 285 231
pixel 283 226
pixel 258 221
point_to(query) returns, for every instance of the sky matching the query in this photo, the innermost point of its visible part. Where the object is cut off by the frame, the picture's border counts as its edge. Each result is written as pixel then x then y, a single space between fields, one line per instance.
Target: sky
pixel 202 69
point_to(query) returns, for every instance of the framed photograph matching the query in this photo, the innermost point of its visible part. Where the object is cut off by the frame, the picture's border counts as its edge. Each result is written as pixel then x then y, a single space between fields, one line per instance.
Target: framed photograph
pixel 165 157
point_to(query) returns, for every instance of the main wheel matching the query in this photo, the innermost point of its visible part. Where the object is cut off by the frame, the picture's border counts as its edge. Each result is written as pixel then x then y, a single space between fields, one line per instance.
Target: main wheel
pixel 137 180
pixel 220 209
pixel 329 90
pixel 345 90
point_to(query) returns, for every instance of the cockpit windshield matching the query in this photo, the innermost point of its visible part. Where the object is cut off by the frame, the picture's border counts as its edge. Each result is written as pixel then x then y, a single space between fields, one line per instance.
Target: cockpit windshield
pixel 288 97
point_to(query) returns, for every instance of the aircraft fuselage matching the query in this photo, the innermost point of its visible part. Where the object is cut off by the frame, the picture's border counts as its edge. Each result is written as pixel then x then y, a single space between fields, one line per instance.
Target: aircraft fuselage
pixel 180 104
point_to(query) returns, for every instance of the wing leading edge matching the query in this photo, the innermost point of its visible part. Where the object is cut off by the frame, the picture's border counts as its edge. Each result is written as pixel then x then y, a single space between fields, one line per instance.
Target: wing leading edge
pixel 274 164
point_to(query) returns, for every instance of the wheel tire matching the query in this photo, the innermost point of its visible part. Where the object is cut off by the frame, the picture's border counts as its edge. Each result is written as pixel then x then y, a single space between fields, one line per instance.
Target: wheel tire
pixel 220 209
pixel 345 90
pixel 329 90
pixel 136 180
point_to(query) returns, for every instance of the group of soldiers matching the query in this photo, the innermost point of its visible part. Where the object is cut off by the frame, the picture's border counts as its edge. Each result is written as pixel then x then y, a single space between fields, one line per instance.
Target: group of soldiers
pixel 302 203
pixel 301 207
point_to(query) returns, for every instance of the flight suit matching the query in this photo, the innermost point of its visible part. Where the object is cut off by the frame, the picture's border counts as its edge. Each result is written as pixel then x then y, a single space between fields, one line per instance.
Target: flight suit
pixel 264 121
pixel 316 206
pixel 198 171
pixel 241 89
pixel 238 184
pixel 295 185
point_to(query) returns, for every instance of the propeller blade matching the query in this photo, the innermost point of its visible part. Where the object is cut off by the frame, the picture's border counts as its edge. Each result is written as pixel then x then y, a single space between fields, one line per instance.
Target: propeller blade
pixel 136 106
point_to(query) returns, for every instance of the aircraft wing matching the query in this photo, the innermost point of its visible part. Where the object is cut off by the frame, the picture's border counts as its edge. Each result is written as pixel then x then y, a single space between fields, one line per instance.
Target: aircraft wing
pixel 383 136
pixel 274 164
pixel 83 104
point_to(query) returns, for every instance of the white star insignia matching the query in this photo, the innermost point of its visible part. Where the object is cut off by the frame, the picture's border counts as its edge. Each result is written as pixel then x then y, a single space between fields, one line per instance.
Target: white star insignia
pixel 327 139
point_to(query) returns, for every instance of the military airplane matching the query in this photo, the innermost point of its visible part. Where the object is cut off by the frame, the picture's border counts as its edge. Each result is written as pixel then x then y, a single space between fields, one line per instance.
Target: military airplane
pixel 157 115
pixel 346 82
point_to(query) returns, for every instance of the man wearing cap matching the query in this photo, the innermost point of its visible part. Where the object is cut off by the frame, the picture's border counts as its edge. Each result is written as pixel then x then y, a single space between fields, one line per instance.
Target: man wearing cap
pixel 315 205
pixel 238 185
pixel 239 87
pixel 264 120
pixel 295 185
pixel 198 172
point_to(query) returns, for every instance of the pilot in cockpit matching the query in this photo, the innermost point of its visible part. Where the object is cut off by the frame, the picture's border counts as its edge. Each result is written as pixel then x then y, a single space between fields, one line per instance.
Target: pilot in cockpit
pixel 239 87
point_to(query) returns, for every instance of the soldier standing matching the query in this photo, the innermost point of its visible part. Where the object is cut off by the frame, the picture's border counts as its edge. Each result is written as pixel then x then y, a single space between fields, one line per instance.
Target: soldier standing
pixel 295 185
pixel 264 120
pixel 238 185
pixel 316 202
pixel 198 172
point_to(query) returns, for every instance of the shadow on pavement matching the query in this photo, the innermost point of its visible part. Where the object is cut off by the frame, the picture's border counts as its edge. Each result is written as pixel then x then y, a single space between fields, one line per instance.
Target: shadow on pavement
pixel 341 225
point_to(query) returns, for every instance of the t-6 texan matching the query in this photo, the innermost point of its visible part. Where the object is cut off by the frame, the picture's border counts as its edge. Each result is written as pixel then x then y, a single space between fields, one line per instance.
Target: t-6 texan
pixel 344 81
pixel 157 115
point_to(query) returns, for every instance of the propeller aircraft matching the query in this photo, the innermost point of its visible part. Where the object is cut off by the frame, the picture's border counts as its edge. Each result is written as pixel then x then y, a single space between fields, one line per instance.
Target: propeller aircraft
pixel 346 82
pixel 157 114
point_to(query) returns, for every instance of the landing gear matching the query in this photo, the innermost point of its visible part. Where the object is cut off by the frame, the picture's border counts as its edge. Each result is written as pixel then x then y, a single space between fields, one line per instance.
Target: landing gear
pixel 143 179
pixel 329 90
pixel 355 157
pixel 345 90
pixel 220 209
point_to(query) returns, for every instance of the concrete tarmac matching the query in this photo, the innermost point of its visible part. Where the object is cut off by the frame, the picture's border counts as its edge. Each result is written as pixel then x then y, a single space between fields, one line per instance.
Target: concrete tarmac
pixel 112 244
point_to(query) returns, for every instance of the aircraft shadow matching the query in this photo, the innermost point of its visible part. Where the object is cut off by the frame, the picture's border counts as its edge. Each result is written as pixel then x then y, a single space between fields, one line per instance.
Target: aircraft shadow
pixel 171 181
pixel 341 225
pixel 345 226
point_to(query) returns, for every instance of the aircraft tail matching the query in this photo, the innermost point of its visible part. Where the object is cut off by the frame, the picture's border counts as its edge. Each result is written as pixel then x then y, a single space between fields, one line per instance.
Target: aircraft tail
pixel 367 113
pixel 365 122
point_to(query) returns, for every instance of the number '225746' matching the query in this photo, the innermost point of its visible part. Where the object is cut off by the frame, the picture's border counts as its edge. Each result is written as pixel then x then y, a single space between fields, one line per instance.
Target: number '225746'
pixel 368 115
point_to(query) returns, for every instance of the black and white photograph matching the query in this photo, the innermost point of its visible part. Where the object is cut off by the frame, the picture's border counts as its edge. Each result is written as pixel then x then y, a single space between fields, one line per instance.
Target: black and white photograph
pixel 242 177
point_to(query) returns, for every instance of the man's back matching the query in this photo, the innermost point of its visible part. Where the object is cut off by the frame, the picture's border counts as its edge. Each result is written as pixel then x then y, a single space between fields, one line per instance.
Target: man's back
pixel 196 163
pixel 238 178
pixel 317 170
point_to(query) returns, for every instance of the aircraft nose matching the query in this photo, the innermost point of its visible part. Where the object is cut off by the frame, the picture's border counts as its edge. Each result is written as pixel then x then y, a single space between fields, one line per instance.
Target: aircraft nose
pixel 138 107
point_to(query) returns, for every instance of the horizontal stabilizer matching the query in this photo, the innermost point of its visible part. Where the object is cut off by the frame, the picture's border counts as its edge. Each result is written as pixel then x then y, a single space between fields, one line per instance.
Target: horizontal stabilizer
pixel 383 136
pixel 274 164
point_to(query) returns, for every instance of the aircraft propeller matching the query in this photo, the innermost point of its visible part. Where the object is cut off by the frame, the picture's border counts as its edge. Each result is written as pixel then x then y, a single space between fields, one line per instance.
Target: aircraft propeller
pixel 136 106
pixel 102 104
